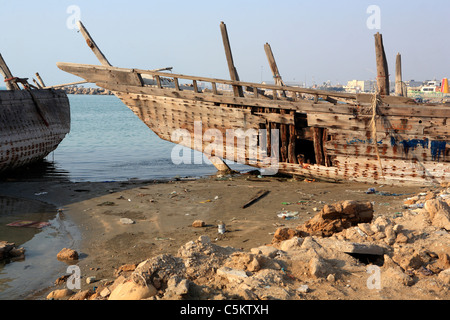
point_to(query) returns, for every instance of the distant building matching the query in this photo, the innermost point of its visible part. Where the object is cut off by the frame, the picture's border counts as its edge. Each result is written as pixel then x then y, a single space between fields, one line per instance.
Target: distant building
pixel 413 83
pixel 356 86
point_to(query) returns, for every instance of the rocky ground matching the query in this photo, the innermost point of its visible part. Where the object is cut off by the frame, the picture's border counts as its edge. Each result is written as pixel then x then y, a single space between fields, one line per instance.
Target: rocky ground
pixel 344 250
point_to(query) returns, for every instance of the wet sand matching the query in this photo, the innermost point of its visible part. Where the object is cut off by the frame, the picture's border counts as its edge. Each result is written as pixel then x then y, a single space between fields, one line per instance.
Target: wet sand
pixel 162 213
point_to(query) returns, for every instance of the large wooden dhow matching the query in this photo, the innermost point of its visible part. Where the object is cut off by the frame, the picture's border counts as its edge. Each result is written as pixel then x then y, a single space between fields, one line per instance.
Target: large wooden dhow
pixel 33 121
pixel 334 136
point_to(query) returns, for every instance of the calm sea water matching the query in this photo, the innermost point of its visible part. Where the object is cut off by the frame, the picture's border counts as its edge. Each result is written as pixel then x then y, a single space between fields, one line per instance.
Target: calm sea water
pixel 108 142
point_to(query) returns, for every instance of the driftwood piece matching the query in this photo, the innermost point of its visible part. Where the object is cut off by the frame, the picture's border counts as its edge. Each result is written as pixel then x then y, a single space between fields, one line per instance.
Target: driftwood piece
pixel 261 194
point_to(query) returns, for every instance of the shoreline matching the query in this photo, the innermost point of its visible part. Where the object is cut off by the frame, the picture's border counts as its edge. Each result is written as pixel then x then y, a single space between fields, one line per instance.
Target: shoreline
pixel 163 211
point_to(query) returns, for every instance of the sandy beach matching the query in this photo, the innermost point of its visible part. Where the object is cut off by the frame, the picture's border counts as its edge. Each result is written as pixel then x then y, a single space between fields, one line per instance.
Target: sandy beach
pixel 161 213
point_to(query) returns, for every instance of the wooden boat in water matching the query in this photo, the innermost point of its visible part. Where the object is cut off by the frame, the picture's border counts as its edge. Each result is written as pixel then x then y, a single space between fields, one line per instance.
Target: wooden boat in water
pixel 325 135
pixel 33 121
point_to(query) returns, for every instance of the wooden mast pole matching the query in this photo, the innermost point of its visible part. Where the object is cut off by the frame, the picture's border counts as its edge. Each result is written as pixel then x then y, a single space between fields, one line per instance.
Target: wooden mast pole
pixel 382 66
pixel 40 80
pixel 398 76
pixel 273 65
pixel 233 72
pixel 7 75
pixel 91 44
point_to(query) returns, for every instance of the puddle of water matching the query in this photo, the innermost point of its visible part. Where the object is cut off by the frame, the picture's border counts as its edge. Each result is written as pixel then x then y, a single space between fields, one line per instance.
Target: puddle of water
pixel 40 268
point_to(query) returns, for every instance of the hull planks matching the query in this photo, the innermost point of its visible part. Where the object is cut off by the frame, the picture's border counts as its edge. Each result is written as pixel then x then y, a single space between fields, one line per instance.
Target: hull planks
pixel 332 136
pixel 32 124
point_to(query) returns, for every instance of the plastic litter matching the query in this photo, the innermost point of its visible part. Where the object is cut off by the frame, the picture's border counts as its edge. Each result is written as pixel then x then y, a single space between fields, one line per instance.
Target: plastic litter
pixel 297 202
pixel 28 224
pixel 221 227
pixel 287 214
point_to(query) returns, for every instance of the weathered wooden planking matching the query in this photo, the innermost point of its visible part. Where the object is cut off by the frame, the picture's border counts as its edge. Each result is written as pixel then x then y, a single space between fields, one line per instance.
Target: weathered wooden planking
pixel 390 105
pixel 24 136
pixel 393 124
pixel 394 146
pixel 361 169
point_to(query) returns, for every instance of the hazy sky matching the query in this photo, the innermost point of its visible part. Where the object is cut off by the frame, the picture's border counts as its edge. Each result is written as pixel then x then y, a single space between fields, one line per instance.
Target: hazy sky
pixel 311 40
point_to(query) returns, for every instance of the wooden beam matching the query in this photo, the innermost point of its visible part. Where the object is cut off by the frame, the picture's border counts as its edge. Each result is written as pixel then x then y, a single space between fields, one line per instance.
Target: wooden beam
pixel 7 75
pixel 238 92
pixel 40 79
pixel 65 85
pixel 70 67
pixel 382 66
pixel 398 76
pixel 91 44
pixel 220 165
pixel 274 67
pixel 37 84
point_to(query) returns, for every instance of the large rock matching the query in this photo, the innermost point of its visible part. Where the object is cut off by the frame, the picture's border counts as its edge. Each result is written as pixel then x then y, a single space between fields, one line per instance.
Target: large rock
pixel 439 213
pixel 130 290
pixel 67 254
pixel 337 217
pixel 444 276
pixel 59 294
pixel 9 250
pixel 284 233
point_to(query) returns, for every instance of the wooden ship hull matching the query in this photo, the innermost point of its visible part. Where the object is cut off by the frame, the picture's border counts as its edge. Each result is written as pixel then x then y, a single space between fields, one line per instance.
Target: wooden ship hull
pixel 332 136
pixel 33 122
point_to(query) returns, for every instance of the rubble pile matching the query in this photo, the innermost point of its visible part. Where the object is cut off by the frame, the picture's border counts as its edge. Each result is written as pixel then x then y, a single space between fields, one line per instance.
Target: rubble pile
pixel 10 252
pixel 344 252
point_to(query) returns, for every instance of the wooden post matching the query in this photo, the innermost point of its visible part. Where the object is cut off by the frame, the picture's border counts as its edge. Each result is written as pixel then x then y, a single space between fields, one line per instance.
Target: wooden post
pixel 398 76
pixel 37 84
pixel 238 92
pixel 220 165
pixel 40 80
pixel 273 66
pixel 7 75
pixel 382 66
pixel 318 145
pixel 91 44
pixel 65 85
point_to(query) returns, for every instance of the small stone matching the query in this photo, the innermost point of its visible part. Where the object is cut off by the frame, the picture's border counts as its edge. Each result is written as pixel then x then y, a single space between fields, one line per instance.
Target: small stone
pixel 292 243
pixel 198 224
pixel 105 292
pixel 67 254
pixel 59 294
pixel 318 267
pixel 331 277
pixel 401 238
pixel 126 221
pixel 268 251
pixel 232 274
pixel 90 280
pixel 444 276
pixel 303 288
pixel 178 285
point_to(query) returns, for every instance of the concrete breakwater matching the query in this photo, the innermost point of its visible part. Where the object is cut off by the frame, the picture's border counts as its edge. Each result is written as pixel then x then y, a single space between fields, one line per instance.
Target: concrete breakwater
pixel 83 90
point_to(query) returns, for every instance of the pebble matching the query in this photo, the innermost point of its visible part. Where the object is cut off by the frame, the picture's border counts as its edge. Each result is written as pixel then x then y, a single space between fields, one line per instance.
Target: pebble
pixel 126 221
pixel 303 288
pixel 90 280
